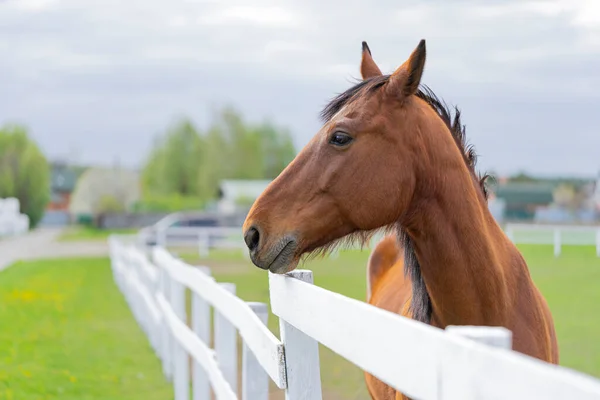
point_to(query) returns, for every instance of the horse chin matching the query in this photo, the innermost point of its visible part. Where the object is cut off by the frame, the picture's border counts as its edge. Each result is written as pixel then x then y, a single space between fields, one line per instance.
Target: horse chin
pixel 286 260
pixel 280 258
pixel 284 266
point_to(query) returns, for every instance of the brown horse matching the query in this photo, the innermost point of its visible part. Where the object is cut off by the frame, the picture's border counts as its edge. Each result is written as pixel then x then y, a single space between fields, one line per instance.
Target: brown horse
pixel 391 156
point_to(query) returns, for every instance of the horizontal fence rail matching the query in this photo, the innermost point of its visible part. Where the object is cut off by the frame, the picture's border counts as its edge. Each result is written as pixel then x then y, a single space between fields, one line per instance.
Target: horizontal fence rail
pixel 556 235
pixel 419 360
pixel 202 238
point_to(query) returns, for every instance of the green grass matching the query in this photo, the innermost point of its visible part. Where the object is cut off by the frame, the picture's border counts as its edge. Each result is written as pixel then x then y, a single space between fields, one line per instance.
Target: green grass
pixel 67 333
pixel 79 233
pixel 571 285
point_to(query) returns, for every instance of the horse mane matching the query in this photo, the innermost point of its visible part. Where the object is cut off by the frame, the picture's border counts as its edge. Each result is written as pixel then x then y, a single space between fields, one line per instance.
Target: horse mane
pixel 458 131
pixel 454 123
pixel 420 306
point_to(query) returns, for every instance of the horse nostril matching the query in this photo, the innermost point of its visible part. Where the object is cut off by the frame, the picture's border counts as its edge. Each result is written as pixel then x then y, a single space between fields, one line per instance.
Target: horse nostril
pixel 251 238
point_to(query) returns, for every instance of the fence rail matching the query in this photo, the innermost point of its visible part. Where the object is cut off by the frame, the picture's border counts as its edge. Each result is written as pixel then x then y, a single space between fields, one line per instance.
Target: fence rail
pixel 202 238
pixel 556 235
pixel 421 361
pixel 206 238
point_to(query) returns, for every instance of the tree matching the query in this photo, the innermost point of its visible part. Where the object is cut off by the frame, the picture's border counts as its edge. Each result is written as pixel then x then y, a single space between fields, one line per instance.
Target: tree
pixel 174 163
pixel 522 177
pixel 252 151
pixel 188 164
pixel 277 149
pixel 24 172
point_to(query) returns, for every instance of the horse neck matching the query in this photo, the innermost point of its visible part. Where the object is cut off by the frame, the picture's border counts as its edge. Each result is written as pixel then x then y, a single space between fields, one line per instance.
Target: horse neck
pixel 465 260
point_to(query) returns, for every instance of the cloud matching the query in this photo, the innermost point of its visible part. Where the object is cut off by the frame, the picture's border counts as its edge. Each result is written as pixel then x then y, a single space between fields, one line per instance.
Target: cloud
pixel 272 17
pixel 90 74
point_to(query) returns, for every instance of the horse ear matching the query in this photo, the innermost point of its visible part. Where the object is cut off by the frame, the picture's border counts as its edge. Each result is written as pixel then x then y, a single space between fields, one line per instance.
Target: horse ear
pixel 406 79
pixel 368 68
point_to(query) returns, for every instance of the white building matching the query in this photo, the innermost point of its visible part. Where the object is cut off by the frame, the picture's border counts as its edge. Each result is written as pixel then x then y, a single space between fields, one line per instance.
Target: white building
pixel 236 195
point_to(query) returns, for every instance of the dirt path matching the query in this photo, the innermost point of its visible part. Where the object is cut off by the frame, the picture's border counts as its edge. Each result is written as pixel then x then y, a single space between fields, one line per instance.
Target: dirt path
pixel 42 243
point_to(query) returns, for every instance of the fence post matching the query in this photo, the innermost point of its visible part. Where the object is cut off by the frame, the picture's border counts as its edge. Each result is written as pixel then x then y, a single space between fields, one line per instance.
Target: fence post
pixel 226 344
pixel 201 326
pixel 452 355
pixel 556 242
pixel 181 363
pixel 203 243
pixel 301 356
pixel 255 381
pixel 489 335
pixel 152 290
pixel 598 242
pixel 166 339
pixel 161 237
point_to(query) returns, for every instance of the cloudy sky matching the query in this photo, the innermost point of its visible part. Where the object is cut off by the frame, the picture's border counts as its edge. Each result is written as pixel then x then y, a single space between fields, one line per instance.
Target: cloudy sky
pixel 96 80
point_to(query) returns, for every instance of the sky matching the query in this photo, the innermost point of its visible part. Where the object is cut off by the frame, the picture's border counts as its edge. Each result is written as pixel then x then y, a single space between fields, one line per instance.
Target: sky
pixel 95 81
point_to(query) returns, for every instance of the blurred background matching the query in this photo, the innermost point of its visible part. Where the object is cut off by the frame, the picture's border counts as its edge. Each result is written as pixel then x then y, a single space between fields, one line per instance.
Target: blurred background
pixel 123 116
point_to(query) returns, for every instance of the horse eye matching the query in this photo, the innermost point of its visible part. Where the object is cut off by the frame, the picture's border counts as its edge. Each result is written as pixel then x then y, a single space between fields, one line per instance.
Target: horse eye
pixel 340 139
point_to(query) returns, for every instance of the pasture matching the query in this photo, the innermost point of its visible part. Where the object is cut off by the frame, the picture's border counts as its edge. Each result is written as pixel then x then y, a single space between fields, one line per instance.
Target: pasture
pixel 69 334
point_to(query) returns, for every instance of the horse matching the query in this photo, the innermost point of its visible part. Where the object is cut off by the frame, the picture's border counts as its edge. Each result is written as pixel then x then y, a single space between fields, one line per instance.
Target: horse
pixel 391 156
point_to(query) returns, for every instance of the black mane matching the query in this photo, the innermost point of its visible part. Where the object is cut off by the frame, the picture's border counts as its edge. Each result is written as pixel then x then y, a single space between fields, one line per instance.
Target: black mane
pixel 420 306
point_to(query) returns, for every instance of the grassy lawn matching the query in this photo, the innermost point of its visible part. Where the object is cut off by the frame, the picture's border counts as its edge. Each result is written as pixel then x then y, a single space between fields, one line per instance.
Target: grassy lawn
pixel 571 285
pixel 76 233
pixel 67 333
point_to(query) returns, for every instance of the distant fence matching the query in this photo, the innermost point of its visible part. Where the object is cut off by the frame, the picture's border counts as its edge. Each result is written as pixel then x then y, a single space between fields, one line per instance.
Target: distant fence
pixel 556 235
pixel 12 222
pixel 202 238
pixel 130 220
pixel 421 361
pixel 206 238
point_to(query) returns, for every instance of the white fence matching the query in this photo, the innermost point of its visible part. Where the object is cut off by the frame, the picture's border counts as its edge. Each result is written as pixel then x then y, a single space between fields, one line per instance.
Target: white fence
pixel 203 238
pixel 12 222
pixel 556 235
pixel 421 361
pixel 206 238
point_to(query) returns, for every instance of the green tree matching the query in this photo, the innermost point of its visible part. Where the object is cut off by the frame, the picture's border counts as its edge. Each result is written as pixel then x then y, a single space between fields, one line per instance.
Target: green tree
pixel 174 163
pixel 186 163
pixel 522 177
pixel 252 151
pixel 24 172
pixel 277 149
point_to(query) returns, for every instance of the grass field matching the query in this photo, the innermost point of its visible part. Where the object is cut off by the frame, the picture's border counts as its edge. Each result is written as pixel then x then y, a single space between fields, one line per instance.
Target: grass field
pixel 76 233
pixel 67 332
